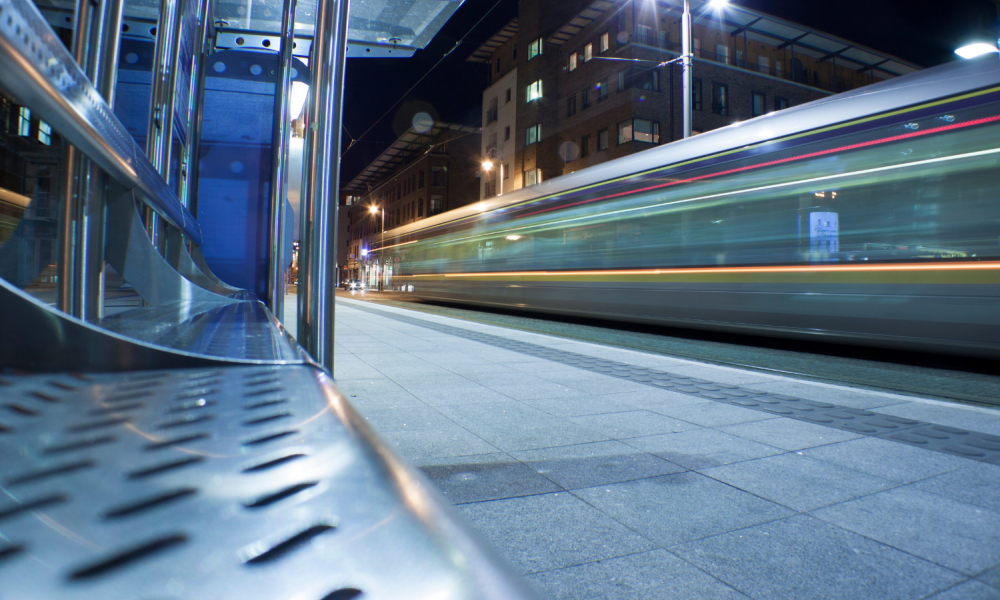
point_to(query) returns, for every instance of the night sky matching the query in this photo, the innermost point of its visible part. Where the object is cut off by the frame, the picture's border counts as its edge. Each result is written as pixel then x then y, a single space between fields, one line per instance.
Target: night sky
pixel 925 32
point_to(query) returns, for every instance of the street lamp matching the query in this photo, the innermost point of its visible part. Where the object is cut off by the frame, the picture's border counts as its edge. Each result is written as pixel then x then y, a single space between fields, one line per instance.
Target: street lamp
pixel 374 210
pixel 487 165
pixel 976 49
pixel 686 61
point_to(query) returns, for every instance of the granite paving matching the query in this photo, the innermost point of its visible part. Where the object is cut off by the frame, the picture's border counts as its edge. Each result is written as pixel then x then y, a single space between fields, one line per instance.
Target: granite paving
pixel 594 486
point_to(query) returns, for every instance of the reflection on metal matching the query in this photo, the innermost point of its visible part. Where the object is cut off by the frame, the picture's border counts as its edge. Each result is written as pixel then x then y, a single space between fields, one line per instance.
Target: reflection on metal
pixel 132 255
pixel 39 72
pixel 281 133
pixel 320 180
pixel 177 254
pixel 39 339
pixel 259 482
pixel 241 331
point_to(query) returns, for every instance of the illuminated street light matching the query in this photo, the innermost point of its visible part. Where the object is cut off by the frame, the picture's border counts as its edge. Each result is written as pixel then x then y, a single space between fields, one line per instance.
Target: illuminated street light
pixel 373 209
pixel 487 165
pixel 976 49
pixel 718 3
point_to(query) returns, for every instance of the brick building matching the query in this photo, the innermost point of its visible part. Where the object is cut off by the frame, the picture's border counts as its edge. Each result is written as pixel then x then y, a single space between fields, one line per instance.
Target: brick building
pixel 580 82
pixel 423 173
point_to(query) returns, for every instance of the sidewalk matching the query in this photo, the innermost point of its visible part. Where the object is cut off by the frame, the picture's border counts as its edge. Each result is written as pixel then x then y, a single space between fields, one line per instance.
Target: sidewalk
pixel 607 473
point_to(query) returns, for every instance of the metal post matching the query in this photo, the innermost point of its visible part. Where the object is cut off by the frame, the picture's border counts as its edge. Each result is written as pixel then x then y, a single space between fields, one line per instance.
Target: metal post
pixel 189 197
pixel 686 68
pixel 67 289
pixel 381 255
pixel 157 116
pixel 101 68
pixel 279 158
pixel 321 176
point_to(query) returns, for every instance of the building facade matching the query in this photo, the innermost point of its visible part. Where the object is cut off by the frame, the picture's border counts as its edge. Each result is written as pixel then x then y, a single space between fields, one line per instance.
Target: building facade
pixel 421 174
pixel 582 82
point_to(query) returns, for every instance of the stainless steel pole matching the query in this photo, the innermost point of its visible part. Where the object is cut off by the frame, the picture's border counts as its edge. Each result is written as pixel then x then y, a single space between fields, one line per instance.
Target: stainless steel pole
pixel 279 159
pixel 67 288
pixel 318 208
pixel 686 68
pixel 102 69
pixel 190 193
pixel 157 116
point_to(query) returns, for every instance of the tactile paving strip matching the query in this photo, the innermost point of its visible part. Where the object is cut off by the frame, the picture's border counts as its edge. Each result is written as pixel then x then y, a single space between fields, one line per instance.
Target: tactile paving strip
pixel 243 482
pixel 950 440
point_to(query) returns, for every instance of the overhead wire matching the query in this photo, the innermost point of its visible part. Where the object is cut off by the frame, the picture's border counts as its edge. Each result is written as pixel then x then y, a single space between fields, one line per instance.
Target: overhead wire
pixel 422 77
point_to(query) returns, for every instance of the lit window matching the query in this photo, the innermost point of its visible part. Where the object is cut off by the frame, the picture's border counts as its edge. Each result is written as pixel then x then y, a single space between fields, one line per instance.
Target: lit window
pixel 572 62
pixel 588 52
pixel 758 104
pixel 532 177
pixel 605 41
pixel 639 130
pixel 534 91
pixel 24 122
pixel 45 133
pixel 534 48
pixel 534 135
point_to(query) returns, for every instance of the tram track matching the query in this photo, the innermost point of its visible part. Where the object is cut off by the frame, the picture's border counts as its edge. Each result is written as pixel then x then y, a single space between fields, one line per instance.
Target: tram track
pixel 947 378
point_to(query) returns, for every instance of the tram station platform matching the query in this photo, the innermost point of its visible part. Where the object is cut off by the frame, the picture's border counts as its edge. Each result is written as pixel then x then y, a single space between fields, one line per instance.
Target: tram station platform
pixel 601 472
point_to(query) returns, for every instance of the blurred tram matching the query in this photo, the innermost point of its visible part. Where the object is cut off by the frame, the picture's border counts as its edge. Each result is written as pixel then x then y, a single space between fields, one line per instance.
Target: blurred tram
pixel 869 217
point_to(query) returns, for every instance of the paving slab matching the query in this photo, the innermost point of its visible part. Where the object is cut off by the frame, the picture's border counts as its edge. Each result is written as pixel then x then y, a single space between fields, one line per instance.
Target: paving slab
pixel 953 534
pixel 678 508
pixel 633 423
pixel 653 575
pixel 789 434
pixel 798 482
pixel 484 477
pixel 551 531
pixel 968 590
pixel 895 462
pixel 802 557
pixel 702 448
pixel 598 463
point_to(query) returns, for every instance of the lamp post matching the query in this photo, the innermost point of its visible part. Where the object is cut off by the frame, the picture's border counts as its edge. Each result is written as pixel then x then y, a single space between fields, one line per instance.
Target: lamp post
pixel 381 266
pixel 686 61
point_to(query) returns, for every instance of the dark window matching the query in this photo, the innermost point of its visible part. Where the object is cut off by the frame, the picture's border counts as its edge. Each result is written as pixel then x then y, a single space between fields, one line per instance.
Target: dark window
pixel 585 146
pixel 508 95
pixel 506 171
pixel 420 207
pixel 602 139
pixel 498 65
pixel 602 90
pixel 646 79
pixel 506 133
pixel 720 98
pixel 780 103
pixel 571 106
pixel 437 176
pixel 584 99
pixel 696 94
pixel 624 80
pixel 420 181
pixel 639 130
pixel 757 100
pixel 513 54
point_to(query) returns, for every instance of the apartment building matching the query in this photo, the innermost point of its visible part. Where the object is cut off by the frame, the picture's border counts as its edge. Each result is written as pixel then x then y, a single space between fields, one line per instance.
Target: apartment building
pixel 432 168
pixel 581 82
